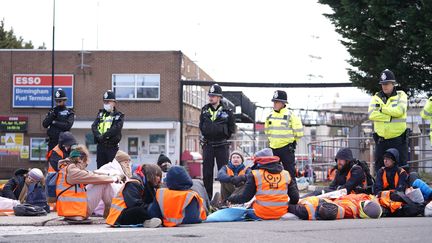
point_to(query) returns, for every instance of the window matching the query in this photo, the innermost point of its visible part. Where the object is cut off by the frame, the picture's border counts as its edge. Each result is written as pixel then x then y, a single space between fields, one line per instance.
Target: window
pixel 194 95
pixel 136 86
pixel 157 144
pixel 38 149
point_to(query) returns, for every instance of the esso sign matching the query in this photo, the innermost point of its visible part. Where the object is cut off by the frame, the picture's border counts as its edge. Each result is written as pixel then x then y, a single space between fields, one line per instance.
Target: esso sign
pixel 28 80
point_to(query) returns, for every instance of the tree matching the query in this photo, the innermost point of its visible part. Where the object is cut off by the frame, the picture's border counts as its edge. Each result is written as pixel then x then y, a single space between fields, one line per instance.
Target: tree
pixel 8 40
pixel 382 34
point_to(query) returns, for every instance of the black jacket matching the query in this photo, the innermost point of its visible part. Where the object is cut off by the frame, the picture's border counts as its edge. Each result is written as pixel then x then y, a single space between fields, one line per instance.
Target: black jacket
pixel 13 187
pixel 59 119
pixel 355 181
pixel 138 194
pixel 221 128
pixel 113 135
pixel 250 188
pixel 390 174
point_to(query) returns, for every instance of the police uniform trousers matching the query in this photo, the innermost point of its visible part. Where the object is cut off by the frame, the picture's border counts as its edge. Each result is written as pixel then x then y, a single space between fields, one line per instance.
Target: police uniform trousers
pixel 287 157
pixel 210 152
pixel 105 154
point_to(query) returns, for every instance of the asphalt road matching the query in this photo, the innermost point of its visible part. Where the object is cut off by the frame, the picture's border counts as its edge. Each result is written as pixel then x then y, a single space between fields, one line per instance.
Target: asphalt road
pixel 361 230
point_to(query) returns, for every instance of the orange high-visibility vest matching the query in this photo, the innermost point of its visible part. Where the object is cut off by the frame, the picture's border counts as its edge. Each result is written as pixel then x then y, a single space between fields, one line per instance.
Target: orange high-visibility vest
pixel 311 205
pixel 59 152
pixel 173 203
pixel 385 201
pixel 396 178
pixel 271 194
pixel 118 204
pixel 351 203
pixel 230 172
pixel 331 174
pixel 71 199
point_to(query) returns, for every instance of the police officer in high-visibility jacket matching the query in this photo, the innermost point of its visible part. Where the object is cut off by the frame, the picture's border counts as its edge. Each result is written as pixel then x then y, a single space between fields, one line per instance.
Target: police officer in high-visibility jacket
pixel 283 129
pixel 217 124
pixel 388 111
pixel 107 129
pixel 426 114
pixel 271 185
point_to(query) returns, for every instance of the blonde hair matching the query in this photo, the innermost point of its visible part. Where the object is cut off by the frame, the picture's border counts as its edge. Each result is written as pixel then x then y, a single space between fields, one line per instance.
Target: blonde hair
pixel 84 151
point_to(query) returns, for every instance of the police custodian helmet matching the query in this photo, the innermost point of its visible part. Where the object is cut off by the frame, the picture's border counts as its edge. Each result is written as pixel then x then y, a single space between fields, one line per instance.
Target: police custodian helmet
pixel 109 96
pixel 280 95
pixel 387 76
pixel 60 95
pixel 215 90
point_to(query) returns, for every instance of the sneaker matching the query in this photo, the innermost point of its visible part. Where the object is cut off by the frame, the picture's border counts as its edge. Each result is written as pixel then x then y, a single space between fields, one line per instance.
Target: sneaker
pixel 152 223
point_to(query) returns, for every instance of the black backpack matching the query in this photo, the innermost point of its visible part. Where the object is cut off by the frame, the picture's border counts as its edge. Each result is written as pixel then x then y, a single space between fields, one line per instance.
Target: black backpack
pixel 29 210
pixel 369 178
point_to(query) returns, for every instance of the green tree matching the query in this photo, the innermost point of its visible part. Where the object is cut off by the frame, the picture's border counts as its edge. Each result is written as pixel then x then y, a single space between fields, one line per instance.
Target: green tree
pixel 380 34
pixel 8 40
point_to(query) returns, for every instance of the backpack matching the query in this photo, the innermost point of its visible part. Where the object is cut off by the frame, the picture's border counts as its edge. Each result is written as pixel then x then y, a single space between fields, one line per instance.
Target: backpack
pixel 50 186
pixel 36 197
pixel 28 210
pixel 370 180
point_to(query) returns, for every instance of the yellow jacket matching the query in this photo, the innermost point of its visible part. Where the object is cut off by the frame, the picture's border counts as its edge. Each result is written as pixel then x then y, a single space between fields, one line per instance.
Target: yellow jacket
pixel 283 128
pixel 389 117
pixel 426 114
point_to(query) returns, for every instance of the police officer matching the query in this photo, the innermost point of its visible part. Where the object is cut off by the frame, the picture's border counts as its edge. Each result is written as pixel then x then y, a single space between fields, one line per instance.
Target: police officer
pixel 426 114
pixel 107 129
pixel 217 124
pixel 283 129
pixel 59 119
pixel 388 111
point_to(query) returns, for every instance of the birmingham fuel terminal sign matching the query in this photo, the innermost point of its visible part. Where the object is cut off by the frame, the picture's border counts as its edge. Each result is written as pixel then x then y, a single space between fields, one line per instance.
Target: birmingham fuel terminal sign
pixel 34 90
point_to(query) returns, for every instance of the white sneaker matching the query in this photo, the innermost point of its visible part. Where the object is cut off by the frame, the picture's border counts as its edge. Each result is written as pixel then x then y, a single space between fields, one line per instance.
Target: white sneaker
pixel 152 223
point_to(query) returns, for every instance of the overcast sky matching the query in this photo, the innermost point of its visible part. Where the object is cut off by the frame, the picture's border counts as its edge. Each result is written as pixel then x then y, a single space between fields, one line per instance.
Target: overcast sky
pixel 248 41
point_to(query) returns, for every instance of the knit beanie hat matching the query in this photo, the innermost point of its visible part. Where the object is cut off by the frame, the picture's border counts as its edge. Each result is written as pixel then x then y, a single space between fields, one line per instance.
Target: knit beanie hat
pixel 344 154
pixel 162 159
pixel 393 154
pixel 239 153
pixel 371 209
pixel 35 174
pixel 122 156
pixel 267 152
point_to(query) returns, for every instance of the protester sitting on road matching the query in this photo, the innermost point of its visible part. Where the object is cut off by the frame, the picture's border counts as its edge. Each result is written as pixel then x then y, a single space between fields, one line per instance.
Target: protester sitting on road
pixel 271 185
pixel 308 172
pixel 391 176
pixel 165 164
pixel 60 151
pixel 27 187
pixel 349 174
pixel 311 208
pixel 359 206
pixel 178 204
pixel 73 201
pixel 233 175
pixel 130 205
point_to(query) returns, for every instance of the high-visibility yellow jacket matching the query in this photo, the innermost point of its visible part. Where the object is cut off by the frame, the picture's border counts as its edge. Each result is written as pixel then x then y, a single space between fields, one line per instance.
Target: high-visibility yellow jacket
pixel 283 128
pixel 389 117
pixel 426 113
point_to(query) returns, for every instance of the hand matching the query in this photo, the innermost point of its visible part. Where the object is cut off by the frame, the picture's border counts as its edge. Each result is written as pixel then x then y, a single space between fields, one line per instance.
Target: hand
pixel 117 179
pixel 238 180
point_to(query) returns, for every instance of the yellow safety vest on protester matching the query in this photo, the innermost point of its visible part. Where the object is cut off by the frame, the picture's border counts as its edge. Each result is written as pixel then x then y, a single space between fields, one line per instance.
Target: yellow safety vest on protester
pixel 389 118
pixel 426 114
pixel 105 123
pixel 283 128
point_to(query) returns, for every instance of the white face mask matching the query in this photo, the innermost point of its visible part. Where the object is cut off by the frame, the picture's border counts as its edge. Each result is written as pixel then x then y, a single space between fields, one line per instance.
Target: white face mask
pixel 107 107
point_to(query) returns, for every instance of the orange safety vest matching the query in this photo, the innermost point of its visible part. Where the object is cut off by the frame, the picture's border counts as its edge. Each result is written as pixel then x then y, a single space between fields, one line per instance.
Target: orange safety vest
pixel 271 194
pixel 173 203
pixel 71 199
pixel 351 203
pixel 118 204
pixel 396 178
pixel 364 182
pixel 230 172
pixel 311 205
pixel 385 201
pixel 331 174
pixel 59 152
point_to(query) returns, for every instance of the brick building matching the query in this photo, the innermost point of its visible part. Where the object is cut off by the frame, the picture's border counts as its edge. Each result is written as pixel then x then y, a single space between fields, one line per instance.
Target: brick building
pixel 147 88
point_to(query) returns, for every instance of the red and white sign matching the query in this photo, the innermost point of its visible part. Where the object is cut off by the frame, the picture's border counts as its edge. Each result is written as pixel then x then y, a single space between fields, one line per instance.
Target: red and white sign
pixel 42 80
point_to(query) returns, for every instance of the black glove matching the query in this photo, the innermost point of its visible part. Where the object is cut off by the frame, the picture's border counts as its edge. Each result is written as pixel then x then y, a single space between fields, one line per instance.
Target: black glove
pixel 238 180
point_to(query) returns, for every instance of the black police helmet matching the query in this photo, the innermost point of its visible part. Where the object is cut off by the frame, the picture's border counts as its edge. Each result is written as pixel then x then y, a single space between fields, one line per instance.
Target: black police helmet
pixel 387 76
pixel 215 90
pixel 60 95
pixel 109 96
pixel 280 95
